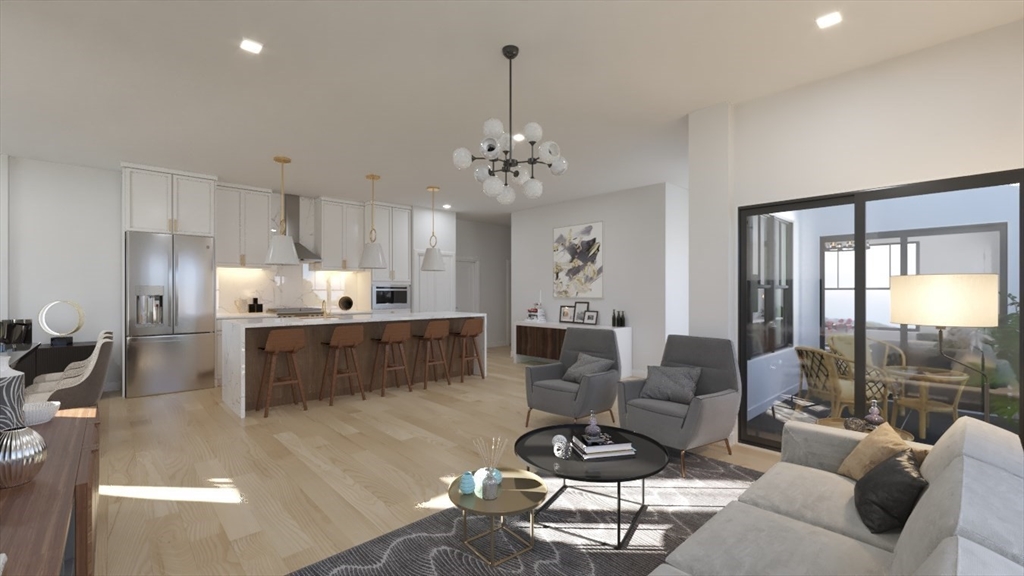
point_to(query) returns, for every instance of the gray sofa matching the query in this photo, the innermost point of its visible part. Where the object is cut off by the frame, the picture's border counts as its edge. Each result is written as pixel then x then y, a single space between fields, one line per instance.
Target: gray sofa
pixel 799 518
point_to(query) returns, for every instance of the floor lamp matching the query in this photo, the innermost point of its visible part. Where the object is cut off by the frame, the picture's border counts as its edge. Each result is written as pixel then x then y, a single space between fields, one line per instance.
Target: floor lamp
pixel 947 301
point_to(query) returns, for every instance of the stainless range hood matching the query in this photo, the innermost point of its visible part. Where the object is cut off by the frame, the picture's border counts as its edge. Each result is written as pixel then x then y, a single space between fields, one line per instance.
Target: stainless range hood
pixel 292 209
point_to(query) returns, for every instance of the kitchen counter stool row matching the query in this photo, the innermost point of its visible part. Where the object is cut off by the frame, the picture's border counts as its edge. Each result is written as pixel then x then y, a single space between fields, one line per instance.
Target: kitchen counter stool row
pixel 342 361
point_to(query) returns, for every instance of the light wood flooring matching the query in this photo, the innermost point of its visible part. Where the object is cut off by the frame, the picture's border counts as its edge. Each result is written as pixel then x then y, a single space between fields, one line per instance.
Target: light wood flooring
pixel 305 485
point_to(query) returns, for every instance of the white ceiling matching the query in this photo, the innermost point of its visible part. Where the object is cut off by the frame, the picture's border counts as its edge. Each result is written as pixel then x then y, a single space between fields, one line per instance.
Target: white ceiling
pixel 347 88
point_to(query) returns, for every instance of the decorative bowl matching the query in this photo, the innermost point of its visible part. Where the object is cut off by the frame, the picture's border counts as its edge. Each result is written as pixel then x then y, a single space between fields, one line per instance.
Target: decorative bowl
pixel 40 412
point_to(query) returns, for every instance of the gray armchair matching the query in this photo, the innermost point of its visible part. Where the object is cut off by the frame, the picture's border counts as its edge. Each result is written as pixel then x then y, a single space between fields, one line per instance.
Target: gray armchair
pixel 708 418
pixel 546 391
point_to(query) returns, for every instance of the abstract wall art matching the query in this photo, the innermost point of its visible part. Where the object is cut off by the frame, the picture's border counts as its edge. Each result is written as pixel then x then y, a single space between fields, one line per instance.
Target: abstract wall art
pixel 579 261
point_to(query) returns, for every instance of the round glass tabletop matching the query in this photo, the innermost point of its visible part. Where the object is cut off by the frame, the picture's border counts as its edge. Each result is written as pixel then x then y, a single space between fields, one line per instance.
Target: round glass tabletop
pixel 535 449
pixel 519 491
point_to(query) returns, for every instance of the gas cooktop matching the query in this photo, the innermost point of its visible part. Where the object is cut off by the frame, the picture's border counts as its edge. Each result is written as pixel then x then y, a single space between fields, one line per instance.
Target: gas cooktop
pixel 304 311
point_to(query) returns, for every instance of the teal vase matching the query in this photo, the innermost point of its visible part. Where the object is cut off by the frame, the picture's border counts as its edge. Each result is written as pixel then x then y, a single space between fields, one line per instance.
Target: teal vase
pixel 467 484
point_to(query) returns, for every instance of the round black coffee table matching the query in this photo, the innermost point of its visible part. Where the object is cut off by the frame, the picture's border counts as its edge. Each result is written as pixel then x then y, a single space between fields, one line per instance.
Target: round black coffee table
pixel 535 449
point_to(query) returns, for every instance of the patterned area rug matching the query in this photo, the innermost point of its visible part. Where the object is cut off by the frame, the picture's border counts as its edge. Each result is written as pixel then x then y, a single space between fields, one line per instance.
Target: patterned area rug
pixel 573 537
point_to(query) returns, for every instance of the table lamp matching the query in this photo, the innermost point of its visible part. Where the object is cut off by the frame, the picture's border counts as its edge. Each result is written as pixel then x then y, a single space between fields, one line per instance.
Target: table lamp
pixel 946 301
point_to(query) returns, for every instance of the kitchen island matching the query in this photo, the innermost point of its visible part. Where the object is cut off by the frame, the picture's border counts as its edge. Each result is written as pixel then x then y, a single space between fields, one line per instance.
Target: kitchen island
pixel 242 359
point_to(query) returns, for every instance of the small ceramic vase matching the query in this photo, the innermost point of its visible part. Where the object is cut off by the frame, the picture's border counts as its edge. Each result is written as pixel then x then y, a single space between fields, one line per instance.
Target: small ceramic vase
pixel 467 484
pixel 874 416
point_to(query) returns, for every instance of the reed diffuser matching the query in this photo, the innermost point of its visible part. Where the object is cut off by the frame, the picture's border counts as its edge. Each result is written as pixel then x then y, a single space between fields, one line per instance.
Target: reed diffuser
pixel 488 477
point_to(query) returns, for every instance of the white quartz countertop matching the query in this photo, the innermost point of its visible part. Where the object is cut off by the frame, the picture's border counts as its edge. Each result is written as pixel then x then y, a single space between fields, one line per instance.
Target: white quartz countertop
pixel 248 321
pixel 237 315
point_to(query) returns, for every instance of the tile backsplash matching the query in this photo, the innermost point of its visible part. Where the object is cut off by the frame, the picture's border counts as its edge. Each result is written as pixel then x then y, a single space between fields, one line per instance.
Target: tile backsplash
pixel 289 287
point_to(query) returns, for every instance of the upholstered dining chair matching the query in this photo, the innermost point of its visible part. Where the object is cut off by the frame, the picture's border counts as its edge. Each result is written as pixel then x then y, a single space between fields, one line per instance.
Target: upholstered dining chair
pixel 548 392
pixel 830 377
pixel 708 418
pixel 80 390
pixel 75 368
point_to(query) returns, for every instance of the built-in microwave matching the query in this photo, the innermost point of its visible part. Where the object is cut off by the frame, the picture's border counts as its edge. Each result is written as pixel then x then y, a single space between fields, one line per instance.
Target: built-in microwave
pixel 390 297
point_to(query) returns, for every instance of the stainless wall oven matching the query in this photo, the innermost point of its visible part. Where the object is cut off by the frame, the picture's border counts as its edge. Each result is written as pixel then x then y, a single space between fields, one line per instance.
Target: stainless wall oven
pixel 390 297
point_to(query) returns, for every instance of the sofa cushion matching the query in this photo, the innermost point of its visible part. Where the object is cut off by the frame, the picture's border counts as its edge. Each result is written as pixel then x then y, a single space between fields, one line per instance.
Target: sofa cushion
pixel 671 383
pixel 956 556
pixel 744 539
pixel 816 497
pixel 664 407
pixel 878 446
pixel 558 386
pixel 886 495
pixel 981 441
pixel 586 365
pixel 667 570
pixel 971 499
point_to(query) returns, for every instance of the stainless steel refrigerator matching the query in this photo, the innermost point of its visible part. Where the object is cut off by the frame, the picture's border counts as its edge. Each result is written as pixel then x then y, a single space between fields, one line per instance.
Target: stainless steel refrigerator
pixel 170 313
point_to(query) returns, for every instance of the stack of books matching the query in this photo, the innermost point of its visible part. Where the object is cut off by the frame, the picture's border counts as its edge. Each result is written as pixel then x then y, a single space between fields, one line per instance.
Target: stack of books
pixel 607 447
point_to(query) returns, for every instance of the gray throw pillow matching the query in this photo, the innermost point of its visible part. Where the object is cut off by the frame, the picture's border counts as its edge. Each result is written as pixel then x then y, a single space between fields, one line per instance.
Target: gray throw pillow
pixel 586 365
pixel 673 383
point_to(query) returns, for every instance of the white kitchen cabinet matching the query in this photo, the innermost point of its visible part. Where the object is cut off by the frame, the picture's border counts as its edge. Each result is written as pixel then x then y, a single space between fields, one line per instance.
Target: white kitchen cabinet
pixel 243 225
pixel 217 351
pixel 339 238
pixel 394 234
pixel 434 291
pixel 148 200
pixel 158 200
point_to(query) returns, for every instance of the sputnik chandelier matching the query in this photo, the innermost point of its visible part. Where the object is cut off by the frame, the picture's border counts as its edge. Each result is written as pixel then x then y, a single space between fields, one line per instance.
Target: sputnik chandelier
pixel 496 149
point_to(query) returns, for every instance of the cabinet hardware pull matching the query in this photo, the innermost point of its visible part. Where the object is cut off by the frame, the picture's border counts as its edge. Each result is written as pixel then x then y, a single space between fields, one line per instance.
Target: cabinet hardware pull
pixel 241 259
pixel 170 224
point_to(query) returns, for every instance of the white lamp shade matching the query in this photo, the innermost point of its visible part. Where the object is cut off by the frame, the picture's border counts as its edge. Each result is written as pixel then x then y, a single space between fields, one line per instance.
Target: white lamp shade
pixel 282 251
pixel 559 166
pixel 432 260
pixel 462 158
pixel 493 128
pixel 533 188
pixel 373 257
pixel 532 132
pixel 946 300
pixel 493 186
pixel 548 151
pixel 507 196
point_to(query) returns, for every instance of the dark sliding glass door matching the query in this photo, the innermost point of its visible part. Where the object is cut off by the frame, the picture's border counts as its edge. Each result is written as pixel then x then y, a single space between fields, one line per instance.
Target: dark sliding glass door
pixel 818 339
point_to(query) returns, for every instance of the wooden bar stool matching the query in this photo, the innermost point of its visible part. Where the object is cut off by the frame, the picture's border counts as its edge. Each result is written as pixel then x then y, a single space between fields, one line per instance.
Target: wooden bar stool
pixel 343 340
pixel 436 332
pixel 395 334
pixel 285 341
pixel 471 328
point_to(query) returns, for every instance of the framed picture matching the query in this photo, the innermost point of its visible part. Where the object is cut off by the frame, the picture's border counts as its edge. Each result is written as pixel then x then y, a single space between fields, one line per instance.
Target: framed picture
pixel 566 314
pixel 590 317
pixel 579 261
pixel 579 311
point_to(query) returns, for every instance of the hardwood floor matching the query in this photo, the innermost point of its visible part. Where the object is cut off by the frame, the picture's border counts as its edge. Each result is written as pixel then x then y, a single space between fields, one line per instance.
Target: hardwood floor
pixel 220 495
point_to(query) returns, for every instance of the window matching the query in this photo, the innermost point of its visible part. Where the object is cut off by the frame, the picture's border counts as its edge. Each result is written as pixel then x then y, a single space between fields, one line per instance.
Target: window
pixel 884 259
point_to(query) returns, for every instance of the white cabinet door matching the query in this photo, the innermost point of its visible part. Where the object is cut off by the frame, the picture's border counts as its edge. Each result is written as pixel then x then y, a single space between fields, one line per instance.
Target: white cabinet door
pixel 401 245
pixel 352 243
pixel 228 236
pixel 193 205
pixel 255 228
pixel 382 223
pixel 332 233
pixel 148 195
pixel 216 353
pixel 434 291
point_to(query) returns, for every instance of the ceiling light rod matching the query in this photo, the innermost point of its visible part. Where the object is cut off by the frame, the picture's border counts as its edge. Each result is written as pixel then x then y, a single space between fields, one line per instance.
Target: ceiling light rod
pixel 497 143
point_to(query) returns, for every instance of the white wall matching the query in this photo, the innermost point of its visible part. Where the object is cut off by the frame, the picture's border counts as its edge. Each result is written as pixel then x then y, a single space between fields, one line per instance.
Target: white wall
pixel 491 245
pixel 65 237
pixel 634 261
pixel 950 110
pixel 677 260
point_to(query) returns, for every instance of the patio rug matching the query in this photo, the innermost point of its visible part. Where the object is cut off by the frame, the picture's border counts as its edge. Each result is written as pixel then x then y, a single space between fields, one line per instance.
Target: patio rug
pixel 573 537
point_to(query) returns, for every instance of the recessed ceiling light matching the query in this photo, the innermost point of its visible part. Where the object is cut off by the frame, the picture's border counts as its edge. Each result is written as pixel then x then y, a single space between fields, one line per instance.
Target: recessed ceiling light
pixel 519 137
pixel 829 20
pixel 251 46
pixel 446 206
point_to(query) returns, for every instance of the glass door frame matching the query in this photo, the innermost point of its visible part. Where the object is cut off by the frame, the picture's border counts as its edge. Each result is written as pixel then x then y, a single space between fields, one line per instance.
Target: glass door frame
pixel 859 200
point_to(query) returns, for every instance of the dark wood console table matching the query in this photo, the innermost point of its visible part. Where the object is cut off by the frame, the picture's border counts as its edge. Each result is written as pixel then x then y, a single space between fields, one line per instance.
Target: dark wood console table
pixel 44 359
pixel 47 527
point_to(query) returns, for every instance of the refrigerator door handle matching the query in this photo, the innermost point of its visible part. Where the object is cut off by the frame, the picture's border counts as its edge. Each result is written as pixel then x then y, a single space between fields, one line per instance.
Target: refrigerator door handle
pixel 174 290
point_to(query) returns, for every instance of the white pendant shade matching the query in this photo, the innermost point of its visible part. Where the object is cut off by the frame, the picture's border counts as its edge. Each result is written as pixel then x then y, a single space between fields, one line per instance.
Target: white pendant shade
pixel 282 251
pixel 432 260
pixel 946 300
pixel 373 257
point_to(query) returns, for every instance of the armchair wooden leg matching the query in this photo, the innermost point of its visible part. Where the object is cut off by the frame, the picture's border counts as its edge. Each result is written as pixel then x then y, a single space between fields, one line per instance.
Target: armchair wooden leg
pixel 728 447
pixel 682 463
pixel 612 414
pixel 528 410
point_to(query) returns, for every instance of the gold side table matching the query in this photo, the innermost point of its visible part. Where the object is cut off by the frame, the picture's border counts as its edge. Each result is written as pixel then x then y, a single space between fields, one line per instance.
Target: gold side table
pixel 520 491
